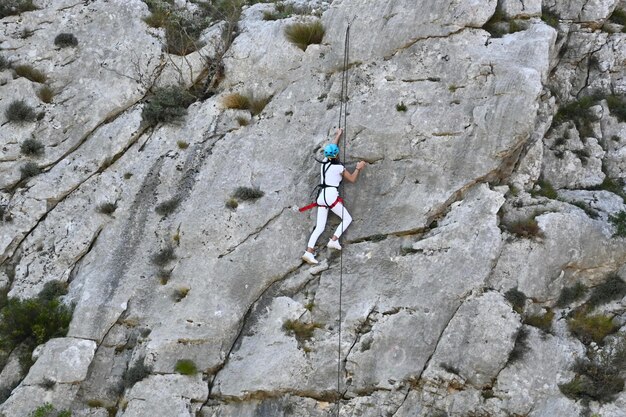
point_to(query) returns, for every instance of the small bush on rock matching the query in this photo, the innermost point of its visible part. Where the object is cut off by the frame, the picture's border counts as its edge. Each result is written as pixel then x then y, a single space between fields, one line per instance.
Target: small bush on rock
pixel 304 34
pixel 527 228
pixel 30 73
pixel 20 112
pixel 614 288
pixel 401 107
pixel 15 7
pixel 167 207
pixel 29 169
pixel 32 322
pixel 617 106
pixel 180 293
pixel 302 331
pixel 164 256
pixel 135 373
pixel 186 367
pixel 591 328
pixel 545 190
pixel 520 347
pixel 236 101
pixel 517 299
pixel 107 208
pixel 570 294
pixel 541 321
pixel 45 94
pixel 619 17
pixel 65 40
pixel 619 221
pixel 32 147
pixel 247 193
pixel 283 11
pixel 550 18
pixel 168 105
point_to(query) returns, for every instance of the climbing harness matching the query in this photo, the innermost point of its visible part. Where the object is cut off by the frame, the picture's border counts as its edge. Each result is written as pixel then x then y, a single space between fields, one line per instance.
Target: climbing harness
pixel 320 188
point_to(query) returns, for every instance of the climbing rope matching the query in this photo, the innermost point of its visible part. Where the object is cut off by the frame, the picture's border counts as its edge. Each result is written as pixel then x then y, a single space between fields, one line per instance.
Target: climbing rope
pixel 343 113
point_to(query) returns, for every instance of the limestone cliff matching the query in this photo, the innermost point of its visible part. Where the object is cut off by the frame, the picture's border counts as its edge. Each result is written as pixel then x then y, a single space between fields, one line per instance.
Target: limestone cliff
pixel 495 136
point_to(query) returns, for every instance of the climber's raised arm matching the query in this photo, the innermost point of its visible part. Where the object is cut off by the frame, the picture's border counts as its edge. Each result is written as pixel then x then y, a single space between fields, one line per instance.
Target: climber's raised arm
pixel 337 136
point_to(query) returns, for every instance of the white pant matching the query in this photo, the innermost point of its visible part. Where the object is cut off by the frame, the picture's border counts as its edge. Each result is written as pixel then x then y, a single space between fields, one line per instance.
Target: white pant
pixel 322 215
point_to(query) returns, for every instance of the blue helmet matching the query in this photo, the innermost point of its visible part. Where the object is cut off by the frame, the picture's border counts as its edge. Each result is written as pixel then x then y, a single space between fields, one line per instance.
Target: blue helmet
pixel 331 151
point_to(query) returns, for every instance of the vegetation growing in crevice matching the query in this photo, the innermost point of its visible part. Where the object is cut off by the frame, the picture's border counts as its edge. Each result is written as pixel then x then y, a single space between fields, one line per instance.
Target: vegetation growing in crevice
pixel 545 190
pixel 285 10
pixel 618 16
pixel 591 328
pixel 167 105
pixel 31 322
pixel 29 169
pixel 238 101
pixel 541 321
pixel 499 26
pixel 65 40
pixel 517 299
pixel 401 107
pixel 107 208
pixel 550 18
pixel 598 377
pixel 613 288
pixel 136 372
pixel 570 294
pixel 619 221
pixel 521 346
pixel 302 331
pixel 20 112
pixel 15 7
pixel 186 367
pixel 527 228
pixel 30 73
pixel 304 34
pixel 180 293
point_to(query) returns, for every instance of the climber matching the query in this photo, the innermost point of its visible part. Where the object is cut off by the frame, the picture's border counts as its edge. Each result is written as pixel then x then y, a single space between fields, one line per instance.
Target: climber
pixel 332 172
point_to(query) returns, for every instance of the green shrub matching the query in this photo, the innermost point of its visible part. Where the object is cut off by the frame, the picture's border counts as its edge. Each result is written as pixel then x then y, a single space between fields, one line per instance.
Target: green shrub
pixel 541 321
pixel 45 94
pixel 247 193
pixel 29 169
pixel 33 321
pixel 20 112
pixel 30 73
pixel 591 328
pixel 570 294
pixel 65 40
pixel 499 26
pixel 545 190
pixel 167 207
pixel 401 107
pixel 168 105
pixel 232 203
pixel 615 186
pixel 164 275
pixel 614 288
pixel 164 256
pixel 517 299
pixel 304 34
pixel 45 410
pixel 32 147
pixel 47 384
pixel 182 144
pixel 135 373
pixel 15 7
pixel 619 17
pixel 550 18
pixel 186 367
pixel 52 290
pixel 619 221
pixel 617 106
pixel 595 380
pixel 107 208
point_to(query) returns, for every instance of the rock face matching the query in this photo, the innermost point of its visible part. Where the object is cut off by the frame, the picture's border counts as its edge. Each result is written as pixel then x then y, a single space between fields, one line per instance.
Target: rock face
pixel 495 179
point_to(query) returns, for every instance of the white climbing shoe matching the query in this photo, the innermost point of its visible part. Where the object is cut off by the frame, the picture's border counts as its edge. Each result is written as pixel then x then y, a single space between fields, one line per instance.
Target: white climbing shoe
pixel 309 258
pixel 334 244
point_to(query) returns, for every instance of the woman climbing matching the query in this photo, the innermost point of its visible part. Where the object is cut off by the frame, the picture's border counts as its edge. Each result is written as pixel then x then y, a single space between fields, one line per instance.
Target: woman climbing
pixel 328 198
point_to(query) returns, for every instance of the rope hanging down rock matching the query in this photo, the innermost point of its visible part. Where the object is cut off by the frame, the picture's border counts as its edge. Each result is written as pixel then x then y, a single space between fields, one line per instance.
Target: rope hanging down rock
pixel 343 121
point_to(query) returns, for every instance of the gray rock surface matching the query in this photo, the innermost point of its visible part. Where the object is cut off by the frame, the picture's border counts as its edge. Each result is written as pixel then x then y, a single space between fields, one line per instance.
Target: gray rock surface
pixel 458 129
